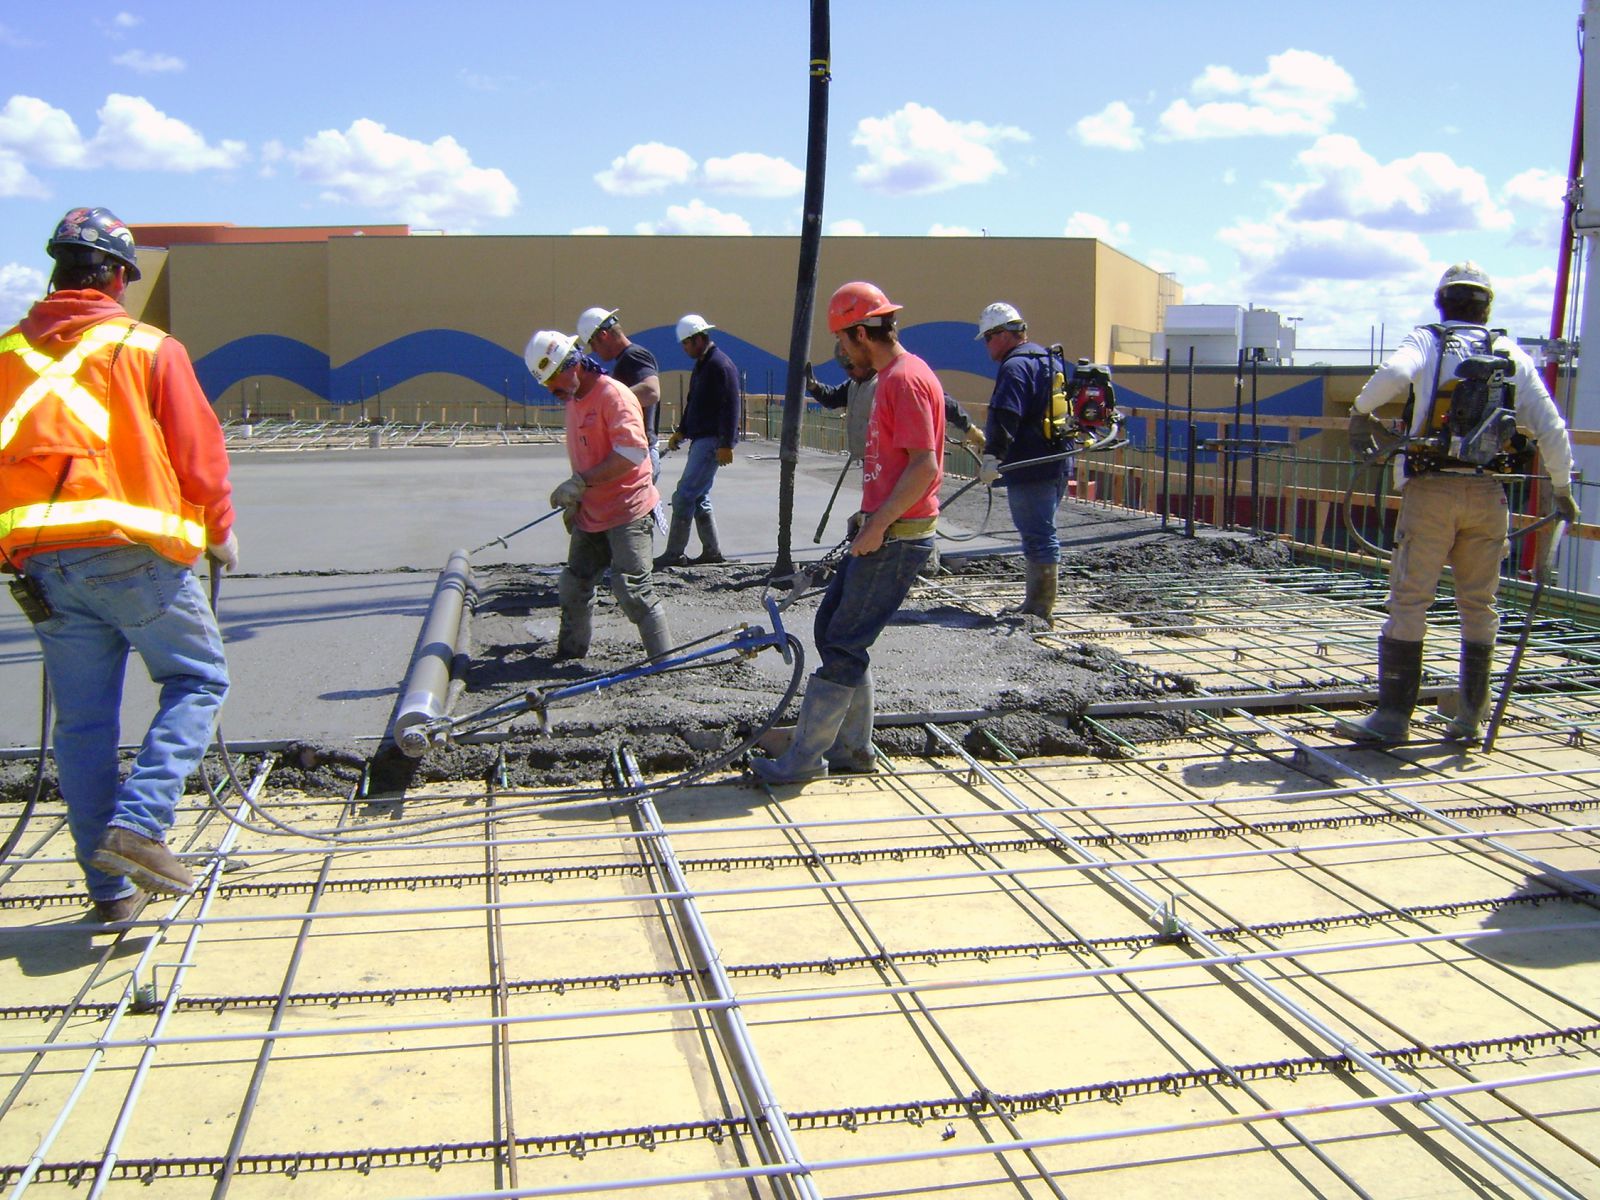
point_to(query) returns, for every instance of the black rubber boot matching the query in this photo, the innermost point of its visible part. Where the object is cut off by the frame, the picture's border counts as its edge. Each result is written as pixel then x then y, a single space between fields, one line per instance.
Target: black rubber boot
pixel 677 539
pixel 1040 598
pixel 1399 681
pixel 1472 692
pixel 710 549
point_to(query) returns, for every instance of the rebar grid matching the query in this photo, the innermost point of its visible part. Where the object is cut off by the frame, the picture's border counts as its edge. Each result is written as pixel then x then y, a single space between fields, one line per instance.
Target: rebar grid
pixel 945 971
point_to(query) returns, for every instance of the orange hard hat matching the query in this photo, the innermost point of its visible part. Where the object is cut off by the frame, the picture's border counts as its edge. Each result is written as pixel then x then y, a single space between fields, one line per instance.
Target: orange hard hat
pixel 857 303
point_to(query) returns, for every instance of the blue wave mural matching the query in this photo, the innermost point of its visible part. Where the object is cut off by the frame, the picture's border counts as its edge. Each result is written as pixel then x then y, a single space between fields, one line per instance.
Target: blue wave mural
pixel 946 345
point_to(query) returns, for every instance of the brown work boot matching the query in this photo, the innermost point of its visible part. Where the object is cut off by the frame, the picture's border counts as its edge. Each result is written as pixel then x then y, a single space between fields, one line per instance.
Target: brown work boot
pixel 126 908
pixel 144 860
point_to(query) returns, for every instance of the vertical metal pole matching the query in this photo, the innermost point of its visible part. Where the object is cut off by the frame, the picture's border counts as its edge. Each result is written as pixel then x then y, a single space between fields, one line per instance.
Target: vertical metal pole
pixel 1255 451
pixel 1166 440
pixel 805 291
pixel 1188 486
pixel 1233 439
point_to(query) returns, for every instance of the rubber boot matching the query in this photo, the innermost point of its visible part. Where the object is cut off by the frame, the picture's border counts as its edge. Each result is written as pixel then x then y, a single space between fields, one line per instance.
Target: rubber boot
pixel 710 550
pixel 577 629
pixel 654 633
pixel 1472 692
pixel 1040 598
pixel 851 752
pixel 930 568
pixel 1399 680
pixel 677 539
pixel 821 713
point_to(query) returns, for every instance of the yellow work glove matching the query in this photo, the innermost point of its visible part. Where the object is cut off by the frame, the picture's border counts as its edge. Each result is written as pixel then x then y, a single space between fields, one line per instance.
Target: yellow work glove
pixel 568 493
pixel 674 442
pixel 724 455
pixel 974 439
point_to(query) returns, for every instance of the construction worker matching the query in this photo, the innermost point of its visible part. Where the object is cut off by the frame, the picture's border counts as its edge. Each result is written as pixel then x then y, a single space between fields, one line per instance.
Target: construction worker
pixel 855 394
pixel 1451 511
pixel 632 366
pixel 113 481
pixel 608 498
pixel 1015 432
pixel 710 423
pixel 893 536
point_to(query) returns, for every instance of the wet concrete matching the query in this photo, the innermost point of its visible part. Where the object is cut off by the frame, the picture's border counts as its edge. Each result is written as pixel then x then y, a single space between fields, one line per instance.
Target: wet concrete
pixel 348 545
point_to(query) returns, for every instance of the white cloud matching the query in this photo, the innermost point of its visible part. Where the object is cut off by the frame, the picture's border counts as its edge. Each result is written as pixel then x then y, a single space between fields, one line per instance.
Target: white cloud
pixel 916 150
pixel 750 174
pixel 594 230
pixel 146 63
pixel 696 217
pixel 849 227
pixel 645 168
pixel 135 135
pixel 40 133
pixel 422 183
pixel 937 230
pixel 1176 262
pixel 1113 128
pixel 10 37
pixel 20 286
pixel 1536 188
pixel 126 20
pixel 1112 233
pixel 1296 95
pixel 16 181
pixel 1426 192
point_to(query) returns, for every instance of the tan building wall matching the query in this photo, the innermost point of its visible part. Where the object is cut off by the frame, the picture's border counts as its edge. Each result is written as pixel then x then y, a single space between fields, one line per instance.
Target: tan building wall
pixel 424 321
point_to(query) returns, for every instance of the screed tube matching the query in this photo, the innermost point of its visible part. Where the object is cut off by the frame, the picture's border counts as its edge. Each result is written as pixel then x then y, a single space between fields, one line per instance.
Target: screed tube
pixel 427 687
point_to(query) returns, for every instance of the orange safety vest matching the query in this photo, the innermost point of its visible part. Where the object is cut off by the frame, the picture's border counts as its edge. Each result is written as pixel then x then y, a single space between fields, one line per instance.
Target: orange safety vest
pixel 82 460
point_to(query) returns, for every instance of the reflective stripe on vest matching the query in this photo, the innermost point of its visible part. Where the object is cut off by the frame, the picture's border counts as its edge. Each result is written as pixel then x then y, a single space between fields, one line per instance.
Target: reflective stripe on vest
pixel 115 512
pixel 58 377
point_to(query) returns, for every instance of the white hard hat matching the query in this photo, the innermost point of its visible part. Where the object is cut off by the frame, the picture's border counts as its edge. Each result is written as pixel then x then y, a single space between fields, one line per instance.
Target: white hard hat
pixel 592 320
pixel 691 324
pixel 547 353
pixel 997 314
pixel 1465 274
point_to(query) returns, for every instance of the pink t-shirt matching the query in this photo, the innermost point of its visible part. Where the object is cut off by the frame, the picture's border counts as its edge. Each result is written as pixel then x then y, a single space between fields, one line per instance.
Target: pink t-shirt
pixel 606 418
pixel 907 415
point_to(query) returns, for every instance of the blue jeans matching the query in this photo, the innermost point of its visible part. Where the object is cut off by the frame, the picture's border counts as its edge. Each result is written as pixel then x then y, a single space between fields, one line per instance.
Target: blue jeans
pixel 1033 512
pixel 693 493
pixel 106 600
pixel 862 596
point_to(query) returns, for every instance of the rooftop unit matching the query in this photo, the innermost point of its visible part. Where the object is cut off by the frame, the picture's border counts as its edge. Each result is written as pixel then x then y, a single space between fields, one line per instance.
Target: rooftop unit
pixel 1217 333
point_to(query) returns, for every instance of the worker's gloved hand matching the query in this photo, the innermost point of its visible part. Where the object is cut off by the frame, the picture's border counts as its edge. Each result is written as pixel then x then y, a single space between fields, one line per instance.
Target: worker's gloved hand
pixel 1370 438
pixel 1566 504
pixel 568 493
pixel 674 442
pixel 812 386
pixel 724 455
pixel 974 439
pixel 989 469
pixel 225 553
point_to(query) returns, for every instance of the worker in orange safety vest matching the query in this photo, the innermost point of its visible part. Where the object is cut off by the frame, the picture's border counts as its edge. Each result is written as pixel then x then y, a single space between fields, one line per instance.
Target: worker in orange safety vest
pixel 113 482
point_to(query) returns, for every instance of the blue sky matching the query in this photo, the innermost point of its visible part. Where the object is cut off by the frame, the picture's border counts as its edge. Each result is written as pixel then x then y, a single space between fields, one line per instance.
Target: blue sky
pixel 1327 160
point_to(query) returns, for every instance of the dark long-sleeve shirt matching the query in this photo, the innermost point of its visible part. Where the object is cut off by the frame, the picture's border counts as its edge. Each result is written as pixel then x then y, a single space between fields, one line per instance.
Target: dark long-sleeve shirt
pixel 713 404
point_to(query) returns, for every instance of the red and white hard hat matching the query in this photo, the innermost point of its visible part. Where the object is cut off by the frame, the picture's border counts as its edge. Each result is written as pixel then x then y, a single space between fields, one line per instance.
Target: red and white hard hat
pixel 858 303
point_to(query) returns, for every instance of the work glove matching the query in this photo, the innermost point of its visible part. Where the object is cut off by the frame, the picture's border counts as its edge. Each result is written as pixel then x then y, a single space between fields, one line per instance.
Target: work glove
pixel 812 386
pixel 989 469
pixel 674 442
pixel 1370 438
pixel 226 553
pixel 1566 504
pixel 724 455
pixel 974 439
pixel 568 493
